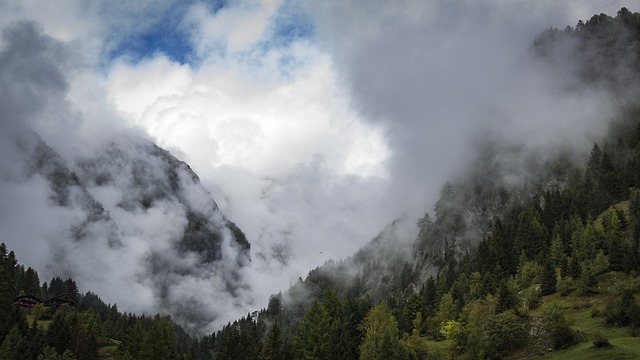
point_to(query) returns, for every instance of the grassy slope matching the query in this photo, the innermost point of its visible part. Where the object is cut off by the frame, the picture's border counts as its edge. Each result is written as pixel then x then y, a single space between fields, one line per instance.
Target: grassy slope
pixel 584 315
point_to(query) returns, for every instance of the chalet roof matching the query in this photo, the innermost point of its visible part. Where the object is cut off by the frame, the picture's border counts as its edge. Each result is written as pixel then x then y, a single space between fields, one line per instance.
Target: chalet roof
pixel 27 297
pixel 27 301
pixel 62 298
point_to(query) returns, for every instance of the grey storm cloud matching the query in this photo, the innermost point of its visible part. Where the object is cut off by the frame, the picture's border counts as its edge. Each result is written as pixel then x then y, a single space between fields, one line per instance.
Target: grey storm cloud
pixel 439 75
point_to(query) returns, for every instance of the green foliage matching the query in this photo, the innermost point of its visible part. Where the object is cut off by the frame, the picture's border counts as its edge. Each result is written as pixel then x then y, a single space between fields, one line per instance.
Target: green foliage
pixel 15 345
pixel 50 353
pixel 548 281
pixel 531 234
pixel 507 298
pixel 447 309
pixel 624 310
pixel 529 273
pixel 418 346
pixel 474 320
pixel 531 297
pixel 634 204
pixel 275 346
pixel 8 272
pixel 380 329
pixel 505 332
pixel 312 339
pixel 159 342
pixel 601 342
pixel 557 329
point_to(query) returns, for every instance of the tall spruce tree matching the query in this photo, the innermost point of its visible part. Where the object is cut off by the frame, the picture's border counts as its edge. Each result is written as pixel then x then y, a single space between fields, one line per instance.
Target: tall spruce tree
pixel 312 339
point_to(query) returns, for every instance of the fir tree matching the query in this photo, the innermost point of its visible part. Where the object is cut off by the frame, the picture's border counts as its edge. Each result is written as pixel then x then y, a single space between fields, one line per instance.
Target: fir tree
pixel 312 340
pixel 549 281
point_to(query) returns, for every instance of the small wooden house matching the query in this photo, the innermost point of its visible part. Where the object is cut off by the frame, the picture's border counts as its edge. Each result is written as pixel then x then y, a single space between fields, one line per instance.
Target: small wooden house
pixel 62 299
pixel 27 301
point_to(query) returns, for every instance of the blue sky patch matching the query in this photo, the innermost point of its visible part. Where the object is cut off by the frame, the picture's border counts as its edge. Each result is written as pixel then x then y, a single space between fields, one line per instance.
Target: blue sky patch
pixel 291 26
pixel 167 34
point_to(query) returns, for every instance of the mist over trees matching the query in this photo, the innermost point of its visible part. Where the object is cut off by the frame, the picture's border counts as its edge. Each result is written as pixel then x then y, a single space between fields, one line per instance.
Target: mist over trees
pixel 479 277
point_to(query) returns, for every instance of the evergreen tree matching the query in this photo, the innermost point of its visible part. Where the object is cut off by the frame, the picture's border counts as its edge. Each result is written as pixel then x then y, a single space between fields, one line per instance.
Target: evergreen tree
pixel 160 341
pixel 549 281
pixel 50 353
pixel 8 291
pixel 273 347
pixel 531 234
pixel 59 332
pixel 15 346
pixel 556 251
pixel 412 307
pixel 343 336
pixel 506 298
pixel 312 340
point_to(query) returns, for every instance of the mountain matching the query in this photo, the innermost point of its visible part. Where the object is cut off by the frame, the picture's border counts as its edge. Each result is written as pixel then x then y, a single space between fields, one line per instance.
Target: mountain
pixel 131 200
pixel 86 197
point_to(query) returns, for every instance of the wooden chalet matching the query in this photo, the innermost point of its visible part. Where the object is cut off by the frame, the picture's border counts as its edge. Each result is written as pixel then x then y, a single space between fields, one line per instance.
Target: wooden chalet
pixel 62 299
pixel 27 301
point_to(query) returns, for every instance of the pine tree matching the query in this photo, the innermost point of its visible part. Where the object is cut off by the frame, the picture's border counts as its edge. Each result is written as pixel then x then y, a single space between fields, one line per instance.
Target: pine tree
pixel 273 347
pixel 549 281
pixel 312 340
pixel 8 291
pixel 15 346
pixel 430 297
pixel 531 234
pixel 506 298
pixel 343 338
pixel 160 342
pixel 556 251
pixel 59 333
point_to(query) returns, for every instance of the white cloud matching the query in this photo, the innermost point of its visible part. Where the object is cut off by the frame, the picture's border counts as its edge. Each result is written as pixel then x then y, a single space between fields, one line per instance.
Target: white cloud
pixel 233 28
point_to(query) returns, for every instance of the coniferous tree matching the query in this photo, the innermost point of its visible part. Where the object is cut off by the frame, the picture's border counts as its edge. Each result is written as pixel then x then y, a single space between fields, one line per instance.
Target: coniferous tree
pixel 312 339
pixel 556 251
pixel 15 345
pixel 8 292
pixel 59 332
pixel 549 281
pixel 506 298
pixel 273 347
pixel 430 297
pixel 343 338
pixel 159 342
pixel 49 353
pixel 531 234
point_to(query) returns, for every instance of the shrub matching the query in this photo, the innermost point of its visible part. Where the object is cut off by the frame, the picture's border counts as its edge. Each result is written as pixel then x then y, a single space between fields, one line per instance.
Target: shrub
pixel 601 342
pixel 557 329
